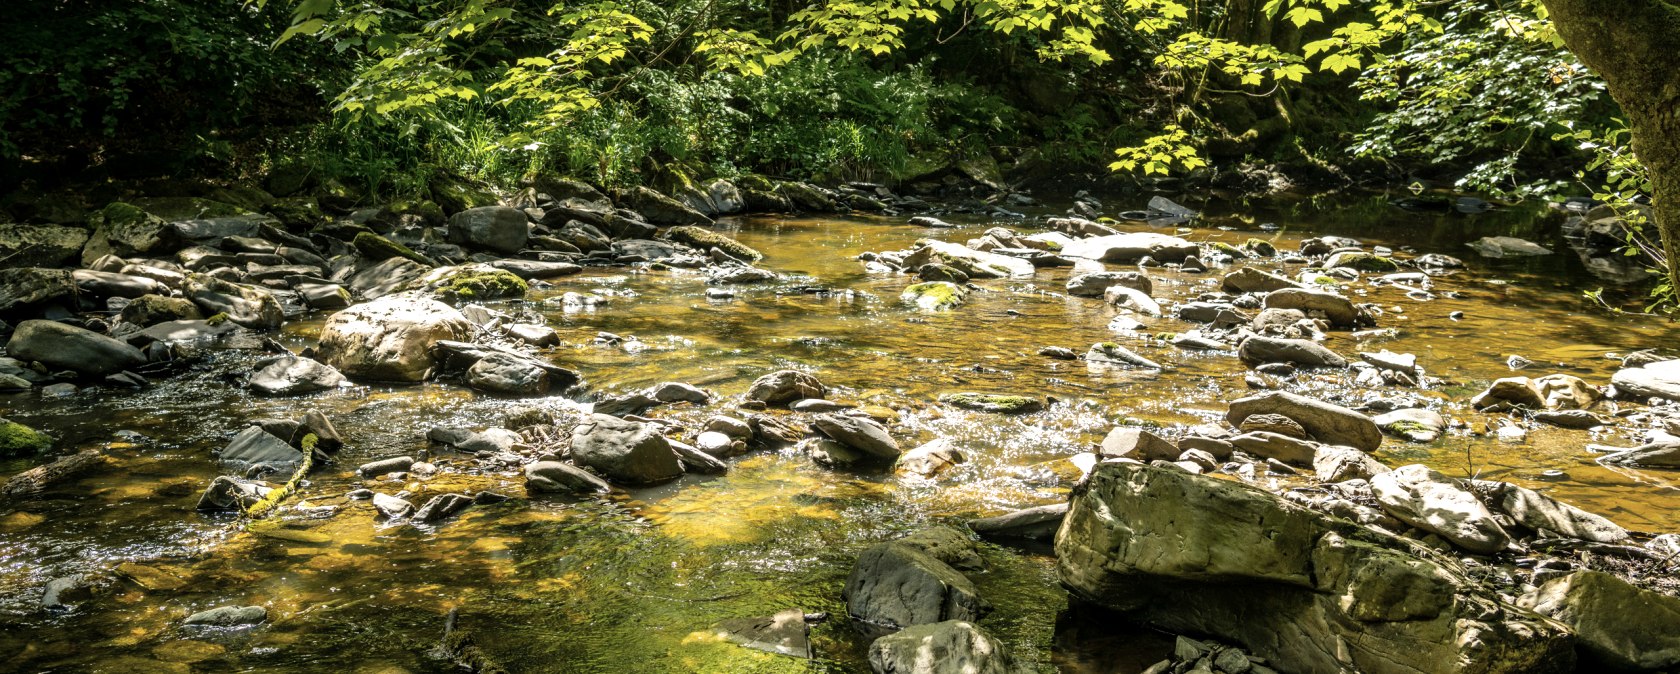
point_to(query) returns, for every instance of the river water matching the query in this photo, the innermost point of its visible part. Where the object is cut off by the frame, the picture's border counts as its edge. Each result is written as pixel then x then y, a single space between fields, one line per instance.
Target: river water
pixel 634 582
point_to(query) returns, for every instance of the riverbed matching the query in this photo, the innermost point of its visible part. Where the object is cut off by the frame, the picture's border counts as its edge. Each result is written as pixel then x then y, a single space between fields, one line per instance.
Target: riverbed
pixel 636 581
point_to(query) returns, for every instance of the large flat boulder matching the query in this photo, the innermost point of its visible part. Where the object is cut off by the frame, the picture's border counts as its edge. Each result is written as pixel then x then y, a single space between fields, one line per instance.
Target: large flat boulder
pixel 66 347
pixel 1652 380
pixel 1197 554
pixel 390 339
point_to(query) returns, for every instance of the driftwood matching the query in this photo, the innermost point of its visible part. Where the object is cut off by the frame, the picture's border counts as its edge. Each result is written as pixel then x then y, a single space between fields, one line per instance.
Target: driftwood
pixel 36 480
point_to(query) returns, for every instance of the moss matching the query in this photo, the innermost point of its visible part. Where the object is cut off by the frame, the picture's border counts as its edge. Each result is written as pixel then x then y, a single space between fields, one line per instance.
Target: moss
pixel 152 309
pixel 1366 262
pixel 218 319
pixel 378 248
pixel 935 295
pixel 19 440
pixel 1260 247
pixel 1408 428
pixel 705 238
pixel 1229 249
pixel 993 402
pixel 119 213
pixel 479 283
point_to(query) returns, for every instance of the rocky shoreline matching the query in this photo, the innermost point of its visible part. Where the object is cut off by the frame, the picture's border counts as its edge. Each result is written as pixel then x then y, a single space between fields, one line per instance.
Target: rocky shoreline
pixel 1276 532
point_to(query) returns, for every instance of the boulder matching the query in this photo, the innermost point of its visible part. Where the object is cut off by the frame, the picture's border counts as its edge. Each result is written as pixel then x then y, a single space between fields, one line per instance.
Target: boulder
pixel 624 451
pixel 1291 451
pixel 1196 554
pixel 1258 350
pixel 1507 246
pixel 1412 425
pixel 1251 280
pixel 1652 380
pixel 1093 284
pixel 148 310
pixel 495 228
pixel 1327 423
pixel 1335 463
pixel 27 287
pixel 1131 247
pixel 935 295
pixel 860 433
pixel 663 210
pixel 470 283
pixel 66 347
pixel 112 284
pixel 19 440
pixel 294 375
pixel 40 245
pixel 996 403
pixel 503 373
pixel 931 459
pixel 785 386
pixel 1550 516
pixel 1618 627
pixel 1338 310
pixel 245 305
pixel 390 339
pixel 897 585
pixel 1139 444
pixel 254 447
pixel 387 277
pixel 948 647
pixel 1433 502
pixel 125 230
pixel 705 239
pixel 561 477
pixel 1126 297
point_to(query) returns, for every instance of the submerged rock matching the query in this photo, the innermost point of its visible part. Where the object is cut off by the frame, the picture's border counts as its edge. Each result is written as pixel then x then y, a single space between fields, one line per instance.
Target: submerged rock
pixel 948 647
pixel 1311 593
pixel 228 616
pixel 1507 246
pixel 935 295
pixel 785 633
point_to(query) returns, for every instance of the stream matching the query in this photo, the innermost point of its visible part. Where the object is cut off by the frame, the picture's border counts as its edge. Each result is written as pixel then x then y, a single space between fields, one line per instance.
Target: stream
pixel 635 582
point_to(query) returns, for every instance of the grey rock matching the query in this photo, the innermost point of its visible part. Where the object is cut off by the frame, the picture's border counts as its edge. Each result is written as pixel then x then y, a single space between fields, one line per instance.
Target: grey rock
pixel 442 507
pixel 1618 627
pixel 231 493
pixel 1433 502
pixel 257 447
pixel 894 585
pixel 1251 280
pixel 391 507
pixel 1412 424
pixel 391 338
pixel 624 451
pixel 860 433
pixel 785 386
pixel 395 464
pixel 948 647
pixel 1507 246
pixel 1111 354
pixel 1543 513
pixel 496 228
pixel 1335 463
pixel 1131 247
pixel 1327 423
pixel 1037 523
pixel 1136 443
pixel 1338 310
pixel 561 477
pixel 294 375
pixel 1652 380
pixel 1093 284
pixel 228 616
pixel 66 347
pixel 502 373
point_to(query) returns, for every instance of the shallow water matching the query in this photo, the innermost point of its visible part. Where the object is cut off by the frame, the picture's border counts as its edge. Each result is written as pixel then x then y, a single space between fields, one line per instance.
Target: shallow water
pixel 633 583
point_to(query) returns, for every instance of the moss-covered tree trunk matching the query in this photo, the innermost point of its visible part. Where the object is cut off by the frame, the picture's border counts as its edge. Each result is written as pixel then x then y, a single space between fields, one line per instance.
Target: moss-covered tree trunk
pixel 1635 46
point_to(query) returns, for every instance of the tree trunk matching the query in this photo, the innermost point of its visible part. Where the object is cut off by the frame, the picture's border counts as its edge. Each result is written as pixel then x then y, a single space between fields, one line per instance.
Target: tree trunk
pixel 1635 46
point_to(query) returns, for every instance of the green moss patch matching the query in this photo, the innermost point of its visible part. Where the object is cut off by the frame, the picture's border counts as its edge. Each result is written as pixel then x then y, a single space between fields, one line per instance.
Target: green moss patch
pixel 935 295
pixel 997 403
pixel 478 283
pixel 19 440
pixel 378 248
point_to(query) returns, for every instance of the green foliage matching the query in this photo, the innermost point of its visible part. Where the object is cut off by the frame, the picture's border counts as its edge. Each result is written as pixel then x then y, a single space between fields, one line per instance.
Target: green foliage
pixel 1160 154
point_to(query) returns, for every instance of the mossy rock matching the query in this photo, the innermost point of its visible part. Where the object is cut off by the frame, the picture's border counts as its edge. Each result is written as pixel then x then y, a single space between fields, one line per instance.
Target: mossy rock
pixel 1364 262
pixel 148 310
pixel 704 239
pixel 753 181
pixel 455 194
pixel 428 211
pixel 997 403
pixel 1230 250
pixel 1260 247
pixel 935 295
pixel 19 440
pixel 472 283
pixel 378 248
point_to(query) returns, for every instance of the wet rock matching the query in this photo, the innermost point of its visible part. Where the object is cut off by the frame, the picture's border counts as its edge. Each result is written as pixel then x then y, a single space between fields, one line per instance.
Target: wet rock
pixel 1545 514
pixel 1251 280
pixel 231 493
pixel 1433 502
pixel 815 405
pixel 785 633
pixel 496 228
pixel 387 277
pixel 1197 554
pixel 510 375
pixel 1507 246
pixel 390 339
pixel 705 239
pixel 149 310
pixel 948 647
pixel 931 459
pixel 66 347
pixel 64 591
pixel 1273 423
pixel 1112 354
pixel 935 295
pixel 1576 419
pixel 997 403
pixel 1617 626
pixel 391 507
pixel 534 269
pixel 678 392
pixel 1412 425
pixel 245 305
pixel 228 616
pixel 730 427
pixel 1327 423
pixel 1137 443
pixel 1275 447
pixel 470 283
pixel 624 451
pixel 1058 353
pixel 775 433
pixel 1131 247
pixel 1038 523
pixel 561 477
pixel 719 444
pixel 1095 283
pixel 860 433
pixel 255 447
pixel 395 464
pixel 826 452
pixel 110 284
pixel 1338 310
pixel 294 375
pixel 1195 342
pixel 1558 391
pixel 442 507
pixel 974 263
pixel 696 461
pixel 1652 380
pixel 1653 455
pixel 943 273
pixel 896 585
pixel 785 386
pixel 32 287
pixel 1125 297
pixel 1361 261
pixel 1334 463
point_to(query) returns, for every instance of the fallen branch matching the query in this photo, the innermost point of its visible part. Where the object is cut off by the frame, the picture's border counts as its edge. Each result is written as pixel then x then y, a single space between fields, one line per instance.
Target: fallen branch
pixel 37 479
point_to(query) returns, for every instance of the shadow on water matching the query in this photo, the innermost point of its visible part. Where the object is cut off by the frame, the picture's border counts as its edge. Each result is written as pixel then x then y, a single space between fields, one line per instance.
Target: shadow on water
pixel 634 583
